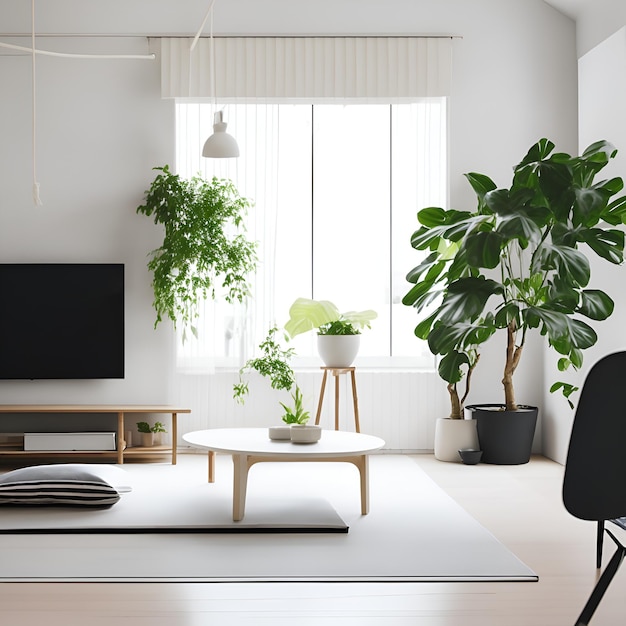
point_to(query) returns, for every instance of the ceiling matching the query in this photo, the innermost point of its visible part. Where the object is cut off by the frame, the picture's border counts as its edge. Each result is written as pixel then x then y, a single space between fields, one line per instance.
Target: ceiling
pixel 571 8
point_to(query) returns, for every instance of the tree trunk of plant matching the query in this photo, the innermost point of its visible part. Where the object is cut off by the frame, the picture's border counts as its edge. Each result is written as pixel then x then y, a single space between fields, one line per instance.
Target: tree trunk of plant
pixel 455 402
pixel 513 355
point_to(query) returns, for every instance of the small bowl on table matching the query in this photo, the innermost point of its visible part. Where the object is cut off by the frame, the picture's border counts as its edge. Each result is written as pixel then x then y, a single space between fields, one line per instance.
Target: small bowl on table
pixel 470 456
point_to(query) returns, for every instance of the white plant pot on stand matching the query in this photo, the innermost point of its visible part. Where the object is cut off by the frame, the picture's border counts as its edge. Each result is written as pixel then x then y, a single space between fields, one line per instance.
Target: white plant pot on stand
pixel 452 435
pixel 338 350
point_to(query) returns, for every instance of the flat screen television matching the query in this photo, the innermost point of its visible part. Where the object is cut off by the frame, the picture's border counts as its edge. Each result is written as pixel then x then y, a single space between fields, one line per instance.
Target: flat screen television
pixel 61 320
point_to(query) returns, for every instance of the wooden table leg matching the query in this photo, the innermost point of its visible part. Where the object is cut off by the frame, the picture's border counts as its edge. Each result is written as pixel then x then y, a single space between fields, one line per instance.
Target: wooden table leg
pixel 211 466
pixel 362 464
pixel 336 400
pixel 120 438
pixel 174 438
pixel 240 485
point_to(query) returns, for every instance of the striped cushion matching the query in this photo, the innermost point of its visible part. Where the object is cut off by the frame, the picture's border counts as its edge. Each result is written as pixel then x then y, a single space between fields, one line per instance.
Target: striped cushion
pixel 58 485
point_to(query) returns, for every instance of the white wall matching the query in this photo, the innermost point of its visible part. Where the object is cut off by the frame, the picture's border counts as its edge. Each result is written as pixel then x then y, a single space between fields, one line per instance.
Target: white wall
pixel 602 102
pixel 597 21
pixel 102 127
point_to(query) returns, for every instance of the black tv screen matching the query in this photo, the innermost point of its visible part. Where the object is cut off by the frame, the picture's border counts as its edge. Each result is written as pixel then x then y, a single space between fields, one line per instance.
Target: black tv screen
pixel 61 320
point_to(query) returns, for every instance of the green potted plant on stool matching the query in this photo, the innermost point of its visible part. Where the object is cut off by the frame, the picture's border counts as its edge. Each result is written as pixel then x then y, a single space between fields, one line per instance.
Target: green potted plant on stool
pixel 339 334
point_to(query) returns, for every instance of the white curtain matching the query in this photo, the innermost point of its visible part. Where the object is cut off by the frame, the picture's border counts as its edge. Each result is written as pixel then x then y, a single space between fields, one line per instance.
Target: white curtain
pixel 307 69
pixel 228 335
pixel 267 71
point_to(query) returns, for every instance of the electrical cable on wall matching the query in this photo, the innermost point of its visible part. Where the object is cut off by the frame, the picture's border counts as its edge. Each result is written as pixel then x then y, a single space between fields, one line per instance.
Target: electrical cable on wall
pixel 36 198
pixel 34 52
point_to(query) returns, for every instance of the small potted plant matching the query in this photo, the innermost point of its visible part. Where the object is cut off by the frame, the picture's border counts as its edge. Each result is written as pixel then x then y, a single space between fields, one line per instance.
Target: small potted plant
pixel 147 436
pixel 338 333
pixel 158 430
pixel 296 417
pixel 148 433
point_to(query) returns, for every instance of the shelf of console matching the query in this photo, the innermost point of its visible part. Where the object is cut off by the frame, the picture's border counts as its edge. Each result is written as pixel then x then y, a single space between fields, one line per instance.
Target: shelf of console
pixel 15 450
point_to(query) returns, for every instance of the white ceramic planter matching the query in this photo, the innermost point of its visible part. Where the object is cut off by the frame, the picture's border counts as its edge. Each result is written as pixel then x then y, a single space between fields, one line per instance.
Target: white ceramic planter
pixel 452 436
pixel 338 350
pixel 303 433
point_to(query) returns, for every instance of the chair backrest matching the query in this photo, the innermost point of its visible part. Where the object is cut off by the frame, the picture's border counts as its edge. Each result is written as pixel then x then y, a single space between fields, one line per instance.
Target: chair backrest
pixel 594 485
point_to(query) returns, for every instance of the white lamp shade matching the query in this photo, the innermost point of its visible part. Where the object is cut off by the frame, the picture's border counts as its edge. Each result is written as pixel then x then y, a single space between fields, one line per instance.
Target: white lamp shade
pixel 220 145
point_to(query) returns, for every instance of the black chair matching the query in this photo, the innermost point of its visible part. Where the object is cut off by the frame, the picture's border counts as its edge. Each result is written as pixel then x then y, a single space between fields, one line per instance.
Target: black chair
pixel 594 484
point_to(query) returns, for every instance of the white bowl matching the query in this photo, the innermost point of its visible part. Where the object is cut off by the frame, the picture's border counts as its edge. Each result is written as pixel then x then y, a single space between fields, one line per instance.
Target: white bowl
pixel 303 433
pixel 279 432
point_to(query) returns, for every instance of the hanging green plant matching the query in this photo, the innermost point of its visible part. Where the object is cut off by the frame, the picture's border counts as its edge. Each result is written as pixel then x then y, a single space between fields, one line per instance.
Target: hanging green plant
pixel 204 248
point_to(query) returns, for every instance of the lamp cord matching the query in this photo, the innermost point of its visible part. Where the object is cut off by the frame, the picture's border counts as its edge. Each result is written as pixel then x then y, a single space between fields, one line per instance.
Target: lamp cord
pixel 36 198
pixel 209 14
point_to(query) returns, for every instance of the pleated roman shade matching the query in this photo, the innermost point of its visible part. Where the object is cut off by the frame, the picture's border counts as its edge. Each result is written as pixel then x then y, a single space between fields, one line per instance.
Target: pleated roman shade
pixel 307 69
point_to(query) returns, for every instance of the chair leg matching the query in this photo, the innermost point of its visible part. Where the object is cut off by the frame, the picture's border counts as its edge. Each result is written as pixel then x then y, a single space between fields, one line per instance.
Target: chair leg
pixel 599 541
pixel 603 583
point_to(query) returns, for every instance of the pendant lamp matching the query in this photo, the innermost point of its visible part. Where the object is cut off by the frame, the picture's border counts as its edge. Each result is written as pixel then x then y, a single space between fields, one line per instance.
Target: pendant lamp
pixel 220 145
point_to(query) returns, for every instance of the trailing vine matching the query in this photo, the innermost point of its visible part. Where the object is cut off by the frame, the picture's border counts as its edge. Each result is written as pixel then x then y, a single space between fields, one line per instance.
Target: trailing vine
pixel 273 364
pixel 204 249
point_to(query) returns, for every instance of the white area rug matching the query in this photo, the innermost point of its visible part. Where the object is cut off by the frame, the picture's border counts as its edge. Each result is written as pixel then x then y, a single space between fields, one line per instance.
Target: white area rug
pixel 167 499
pixel 414 532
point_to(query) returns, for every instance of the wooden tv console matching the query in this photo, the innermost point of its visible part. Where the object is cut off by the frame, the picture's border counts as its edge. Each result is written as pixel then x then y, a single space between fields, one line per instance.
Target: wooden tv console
pixel 121 410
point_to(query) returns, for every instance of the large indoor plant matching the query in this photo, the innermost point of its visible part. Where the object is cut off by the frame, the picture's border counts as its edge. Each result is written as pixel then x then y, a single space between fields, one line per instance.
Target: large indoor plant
pixel 204 249
pixel 457 344
pixel 521 264
pixel 338 333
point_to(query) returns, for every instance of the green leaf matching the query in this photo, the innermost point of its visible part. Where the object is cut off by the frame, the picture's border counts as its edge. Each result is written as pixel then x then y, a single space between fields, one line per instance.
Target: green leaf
pixel 450 366
pixel 565 334
pixel 608 244
pixel 430 262
pixel 480 183
pixel 306 314
pixel 615 212
pixel 432 216
pixel 466 299
pixel 596 304
pixel 422 330
pixel 483 249
pixel 568 262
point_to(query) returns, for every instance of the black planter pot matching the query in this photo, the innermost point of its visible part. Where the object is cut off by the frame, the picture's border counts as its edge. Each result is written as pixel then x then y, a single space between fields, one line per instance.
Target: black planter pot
pixel 505 437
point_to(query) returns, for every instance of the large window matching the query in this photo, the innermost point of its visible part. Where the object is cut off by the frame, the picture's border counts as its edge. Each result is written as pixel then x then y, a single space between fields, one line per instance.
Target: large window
pixel 336 189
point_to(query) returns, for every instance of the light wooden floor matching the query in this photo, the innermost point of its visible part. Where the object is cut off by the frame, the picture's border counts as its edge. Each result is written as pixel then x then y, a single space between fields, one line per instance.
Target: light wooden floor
pixel 521 505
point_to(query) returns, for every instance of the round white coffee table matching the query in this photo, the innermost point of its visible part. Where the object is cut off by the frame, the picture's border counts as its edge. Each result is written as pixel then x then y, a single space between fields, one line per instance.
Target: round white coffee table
pixel 253 445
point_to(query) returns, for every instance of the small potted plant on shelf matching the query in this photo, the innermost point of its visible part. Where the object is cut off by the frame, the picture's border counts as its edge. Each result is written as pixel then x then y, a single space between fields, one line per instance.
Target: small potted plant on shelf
pixel 338 338
pixel 148 433
pixel 158 430
pixel 147 436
